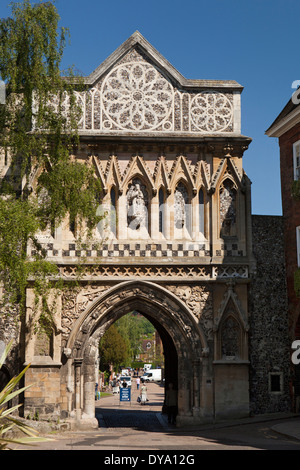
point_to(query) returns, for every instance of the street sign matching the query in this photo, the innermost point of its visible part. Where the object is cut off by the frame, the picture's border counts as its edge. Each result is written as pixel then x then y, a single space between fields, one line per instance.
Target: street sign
pixel 125 394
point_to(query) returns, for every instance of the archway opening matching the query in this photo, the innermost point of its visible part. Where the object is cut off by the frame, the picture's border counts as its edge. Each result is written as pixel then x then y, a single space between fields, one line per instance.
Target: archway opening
pixel 184 344
pixel 163 360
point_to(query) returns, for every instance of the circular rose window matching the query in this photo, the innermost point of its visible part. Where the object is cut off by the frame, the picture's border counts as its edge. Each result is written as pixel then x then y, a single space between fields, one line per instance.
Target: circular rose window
pixel 135 96
pixel 211 112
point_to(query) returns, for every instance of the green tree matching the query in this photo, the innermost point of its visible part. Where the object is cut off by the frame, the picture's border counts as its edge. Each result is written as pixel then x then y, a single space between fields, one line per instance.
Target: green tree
pixel 133 329
pixel 38 133
pixel 112 349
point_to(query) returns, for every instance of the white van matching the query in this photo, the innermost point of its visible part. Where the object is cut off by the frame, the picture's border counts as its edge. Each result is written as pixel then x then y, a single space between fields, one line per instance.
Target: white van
pixel 153 375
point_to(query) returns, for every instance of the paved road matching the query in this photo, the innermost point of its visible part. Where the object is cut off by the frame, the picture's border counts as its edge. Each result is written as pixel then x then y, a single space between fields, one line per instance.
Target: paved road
pixel 141 430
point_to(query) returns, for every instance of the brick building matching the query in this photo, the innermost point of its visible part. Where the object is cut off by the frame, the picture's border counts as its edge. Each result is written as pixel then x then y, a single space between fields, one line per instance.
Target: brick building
pixel 286 128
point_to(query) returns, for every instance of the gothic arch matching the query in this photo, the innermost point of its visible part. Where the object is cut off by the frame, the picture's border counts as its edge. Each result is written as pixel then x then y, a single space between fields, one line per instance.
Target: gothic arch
pixel 228 207
pixel 231 327
pixel 157 304
pixel 113 304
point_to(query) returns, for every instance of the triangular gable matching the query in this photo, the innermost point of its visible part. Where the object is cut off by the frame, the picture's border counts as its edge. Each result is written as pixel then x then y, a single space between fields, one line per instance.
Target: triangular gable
pixel 112 172
pixel 136 90
pixel 137 39
pixel 227 166
pixel 161 174
pixel 182 170
pixel 231 300
pixel 201 174
pixel 99 172
pixel 137 167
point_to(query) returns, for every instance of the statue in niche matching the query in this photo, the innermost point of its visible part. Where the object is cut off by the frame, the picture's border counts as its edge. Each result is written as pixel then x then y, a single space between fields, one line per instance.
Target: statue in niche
pixel 227 208
pixel 137 203
pixel 181 199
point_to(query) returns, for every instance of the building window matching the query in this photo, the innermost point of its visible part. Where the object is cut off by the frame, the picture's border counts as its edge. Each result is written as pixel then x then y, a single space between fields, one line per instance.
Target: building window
pixel 296 156
pixel 275 382
pixel 298 245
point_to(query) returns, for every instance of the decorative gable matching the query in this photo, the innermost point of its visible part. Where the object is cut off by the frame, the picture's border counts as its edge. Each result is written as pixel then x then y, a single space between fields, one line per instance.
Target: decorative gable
pixel 137 91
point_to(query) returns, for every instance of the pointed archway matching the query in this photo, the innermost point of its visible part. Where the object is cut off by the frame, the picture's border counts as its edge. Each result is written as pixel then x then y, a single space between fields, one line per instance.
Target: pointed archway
pixel 175 323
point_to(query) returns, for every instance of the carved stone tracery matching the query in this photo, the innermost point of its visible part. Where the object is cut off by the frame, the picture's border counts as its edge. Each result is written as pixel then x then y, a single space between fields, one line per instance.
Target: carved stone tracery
pixel 199 300
pixel 136 96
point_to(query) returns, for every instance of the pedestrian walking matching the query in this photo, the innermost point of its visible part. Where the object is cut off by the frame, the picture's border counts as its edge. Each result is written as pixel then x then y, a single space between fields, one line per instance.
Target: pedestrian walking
pixel 143 394
pixel 97 392
pixel 137 383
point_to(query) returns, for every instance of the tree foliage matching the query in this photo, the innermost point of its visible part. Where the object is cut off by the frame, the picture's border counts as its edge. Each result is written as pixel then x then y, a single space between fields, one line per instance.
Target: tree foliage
pixel 7 420
pixel 133 329
pixel 112 349
pixel 38 134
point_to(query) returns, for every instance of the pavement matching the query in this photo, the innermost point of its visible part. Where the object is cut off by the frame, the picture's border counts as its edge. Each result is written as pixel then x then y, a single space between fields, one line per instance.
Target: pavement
pixel 117 436
pixel 289 427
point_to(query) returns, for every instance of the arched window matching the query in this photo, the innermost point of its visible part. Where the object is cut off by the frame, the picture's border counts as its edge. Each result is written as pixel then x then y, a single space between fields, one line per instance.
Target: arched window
pixel 231 338
pixel 161 213
pixel 201 211
pixel 113 211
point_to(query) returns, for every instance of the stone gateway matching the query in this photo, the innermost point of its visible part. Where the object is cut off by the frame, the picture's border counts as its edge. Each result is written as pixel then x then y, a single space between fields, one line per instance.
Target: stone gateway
pixel 175 244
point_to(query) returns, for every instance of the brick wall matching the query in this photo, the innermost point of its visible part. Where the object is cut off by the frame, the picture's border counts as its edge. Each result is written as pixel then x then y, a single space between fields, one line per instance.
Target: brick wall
pixel 291 215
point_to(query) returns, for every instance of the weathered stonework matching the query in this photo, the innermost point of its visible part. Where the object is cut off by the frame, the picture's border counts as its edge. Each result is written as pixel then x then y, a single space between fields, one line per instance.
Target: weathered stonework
pixel 269 335
pixel 175 245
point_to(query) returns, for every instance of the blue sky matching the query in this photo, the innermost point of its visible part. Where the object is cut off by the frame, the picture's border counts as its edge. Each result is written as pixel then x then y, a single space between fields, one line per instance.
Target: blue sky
pixel 255 42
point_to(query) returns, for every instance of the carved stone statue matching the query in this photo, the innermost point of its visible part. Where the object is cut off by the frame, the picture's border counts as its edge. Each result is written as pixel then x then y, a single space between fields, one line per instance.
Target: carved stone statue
pixel 137 205
pixel 227 208
pixel 181 199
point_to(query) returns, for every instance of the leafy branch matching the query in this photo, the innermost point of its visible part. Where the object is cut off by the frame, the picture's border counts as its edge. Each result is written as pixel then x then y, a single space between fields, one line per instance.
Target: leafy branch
pixel 43 183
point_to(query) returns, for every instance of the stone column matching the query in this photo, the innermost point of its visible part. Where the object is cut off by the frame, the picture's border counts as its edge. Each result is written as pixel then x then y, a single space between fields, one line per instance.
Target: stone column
pixel 77 364
pixel 184 393
pixel 89 387
pixel 207 391
pixel 196 388
pixel 153 213
pixel 122 217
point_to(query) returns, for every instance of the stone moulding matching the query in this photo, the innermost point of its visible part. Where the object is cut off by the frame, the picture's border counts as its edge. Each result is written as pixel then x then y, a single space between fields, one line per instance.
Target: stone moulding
pixel 158 272
pixel 138 295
